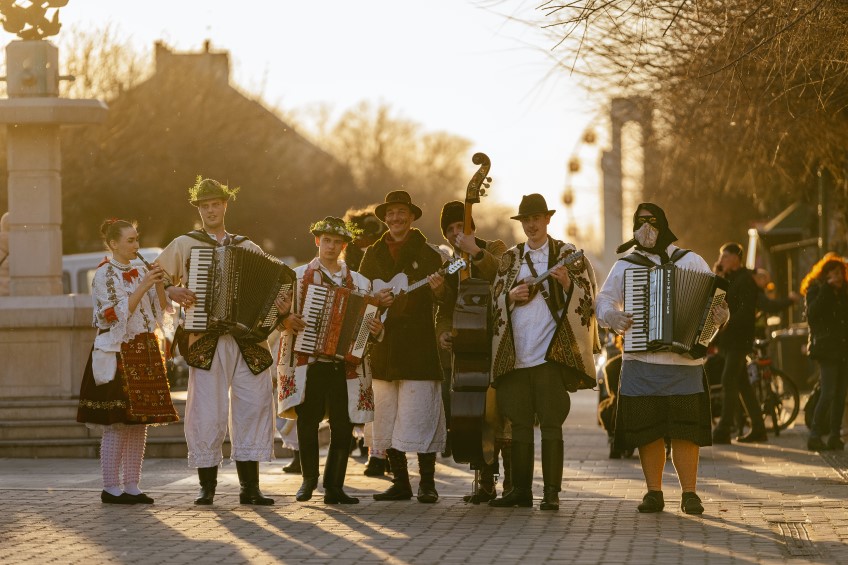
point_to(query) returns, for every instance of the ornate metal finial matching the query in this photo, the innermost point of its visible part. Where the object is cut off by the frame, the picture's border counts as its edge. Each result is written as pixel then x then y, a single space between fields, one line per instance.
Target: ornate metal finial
pixel 28 19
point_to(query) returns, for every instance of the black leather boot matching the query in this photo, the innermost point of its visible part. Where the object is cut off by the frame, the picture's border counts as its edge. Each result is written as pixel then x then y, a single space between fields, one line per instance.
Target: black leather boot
pixel 294 466
pixel 208 481
pixel 376 467
pixel 248 474
pixel 400 489
pixel 309 469
pixel 334 475
pixel 521 494
pixel 552 461
pixel 427 486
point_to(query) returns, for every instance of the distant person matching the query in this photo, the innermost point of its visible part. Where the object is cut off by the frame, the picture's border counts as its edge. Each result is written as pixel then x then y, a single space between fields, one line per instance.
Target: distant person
pixel 768 303
pixel 826 289
pixel 662 394
pixel 229 385
pixel 125 386
pixel 734 342
pixel 370 229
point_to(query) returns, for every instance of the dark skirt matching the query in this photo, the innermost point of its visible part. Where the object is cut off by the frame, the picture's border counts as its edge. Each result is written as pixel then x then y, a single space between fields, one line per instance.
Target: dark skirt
pixel 641 420
pixel 139 393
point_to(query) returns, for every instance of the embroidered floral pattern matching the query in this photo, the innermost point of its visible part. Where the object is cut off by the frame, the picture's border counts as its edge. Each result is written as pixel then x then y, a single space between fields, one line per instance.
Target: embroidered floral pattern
pixel 109 315
pixel 366 398
pixel 288 386
pixel 585 310
pixel 507 261
pixel 202 351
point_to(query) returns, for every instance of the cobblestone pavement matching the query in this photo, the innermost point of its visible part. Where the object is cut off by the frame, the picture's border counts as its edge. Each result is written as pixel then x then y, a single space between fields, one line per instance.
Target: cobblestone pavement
pixel 766 503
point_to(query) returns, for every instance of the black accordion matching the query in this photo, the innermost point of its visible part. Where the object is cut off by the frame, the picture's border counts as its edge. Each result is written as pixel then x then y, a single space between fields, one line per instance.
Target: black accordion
pixel 236 288
pixel 672 309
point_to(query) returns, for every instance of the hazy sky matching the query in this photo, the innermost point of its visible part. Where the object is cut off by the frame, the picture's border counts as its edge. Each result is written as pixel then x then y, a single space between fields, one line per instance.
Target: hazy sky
pixel 447 64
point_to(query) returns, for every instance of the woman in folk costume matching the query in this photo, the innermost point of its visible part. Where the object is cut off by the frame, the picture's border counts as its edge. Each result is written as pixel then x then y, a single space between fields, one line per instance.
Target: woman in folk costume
pixel 311 386
pixel 662 394
pixel 125 387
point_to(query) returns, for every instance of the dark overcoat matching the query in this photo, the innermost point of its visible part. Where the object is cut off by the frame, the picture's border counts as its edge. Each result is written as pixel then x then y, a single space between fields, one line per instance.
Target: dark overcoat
pixel 409 349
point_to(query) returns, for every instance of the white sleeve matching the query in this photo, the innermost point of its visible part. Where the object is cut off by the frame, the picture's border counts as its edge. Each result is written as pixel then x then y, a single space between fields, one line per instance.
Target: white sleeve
pixel 611 296
pixel 111 310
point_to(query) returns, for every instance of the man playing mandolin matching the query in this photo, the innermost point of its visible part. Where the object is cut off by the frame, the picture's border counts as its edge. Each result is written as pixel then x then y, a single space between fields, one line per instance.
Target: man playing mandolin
pixel 545 334
pixel 408 411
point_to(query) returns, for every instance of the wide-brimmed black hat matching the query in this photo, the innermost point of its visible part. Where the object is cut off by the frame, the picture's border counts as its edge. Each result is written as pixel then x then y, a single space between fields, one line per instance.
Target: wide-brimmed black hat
pixel 335 226
pixel 397 197
pixel 532 204
pixel 207 189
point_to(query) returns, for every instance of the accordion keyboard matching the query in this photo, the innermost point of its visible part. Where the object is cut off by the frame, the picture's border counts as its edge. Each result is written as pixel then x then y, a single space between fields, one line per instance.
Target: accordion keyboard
pixel 199 281
pixel 313 315
pixel 636 282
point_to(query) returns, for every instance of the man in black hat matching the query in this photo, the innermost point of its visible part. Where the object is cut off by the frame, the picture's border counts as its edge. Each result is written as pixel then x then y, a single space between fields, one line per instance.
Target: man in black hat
pixel 542 347
pixel 312 385
pixel 370 229
pixel 485 258
pixel 735 342
pixel 228 377
pixel 662 394
pixel 408 412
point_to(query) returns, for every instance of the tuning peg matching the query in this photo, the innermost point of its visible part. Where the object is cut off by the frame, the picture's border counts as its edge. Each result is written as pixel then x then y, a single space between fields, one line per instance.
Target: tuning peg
pixel 488 179
pixel 483 192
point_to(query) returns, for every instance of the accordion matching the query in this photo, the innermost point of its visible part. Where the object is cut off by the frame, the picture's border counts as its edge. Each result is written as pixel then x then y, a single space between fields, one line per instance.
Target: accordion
pixel 337 323
pixel 672 309
pixel 235 288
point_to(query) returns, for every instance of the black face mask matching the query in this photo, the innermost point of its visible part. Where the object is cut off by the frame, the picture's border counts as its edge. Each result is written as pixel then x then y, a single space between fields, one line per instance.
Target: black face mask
pixel 664 238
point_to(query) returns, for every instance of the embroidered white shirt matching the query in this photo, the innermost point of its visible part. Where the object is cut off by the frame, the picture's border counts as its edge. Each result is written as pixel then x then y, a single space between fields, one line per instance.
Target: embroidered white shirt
pixel 532 324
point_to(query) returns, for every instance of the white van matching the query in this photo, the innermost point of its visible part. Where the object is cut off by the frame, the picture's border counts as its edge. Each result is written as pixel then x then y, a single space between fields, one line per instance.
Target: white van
pixel 78 268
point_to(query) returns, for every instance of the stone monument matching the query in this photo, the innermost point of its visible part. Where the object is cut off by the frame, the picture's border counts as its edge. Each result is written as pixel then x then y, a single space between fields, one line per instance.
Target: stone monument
pixel 44 334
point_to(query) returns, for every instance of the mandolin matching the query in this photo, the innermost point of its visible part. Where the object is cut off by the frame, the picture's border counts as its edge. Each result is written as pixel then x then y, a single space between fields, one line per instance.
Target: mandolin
pixel 573 260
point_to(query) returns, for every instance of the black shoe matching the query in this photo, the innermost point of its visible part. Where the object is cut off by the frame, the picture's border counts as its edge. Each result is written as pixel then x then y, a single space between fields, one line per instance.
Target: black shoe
pixel 141 498
pixel 835 443
pixel 122 498
pixel 335 495
pixel 400 490
pixel 652 502
pixel 516 498
pixel 363 449
pixel 294 466
pixel 721 437
pixel 308 485
pixel 754 437
pixel 208 481
pixel 248 474
pixel 690 503
pixel 375 468
pixel 550 500
pixel 816 444
pixel 427 493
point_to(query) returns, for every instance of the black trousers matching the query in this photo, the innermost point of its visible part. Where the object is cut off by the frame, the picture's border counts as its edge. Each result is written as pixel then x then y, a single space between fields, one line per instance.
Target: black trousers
pixel 325 394
pixel 534 392
pixel 735 383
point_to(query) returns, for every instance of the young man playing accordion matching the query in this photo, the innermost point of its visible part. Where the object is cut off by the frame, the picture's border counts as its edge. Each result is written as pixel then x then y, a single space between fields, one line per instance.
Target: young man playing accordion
pixel 228 377
pixel 662 394
pixel 312 384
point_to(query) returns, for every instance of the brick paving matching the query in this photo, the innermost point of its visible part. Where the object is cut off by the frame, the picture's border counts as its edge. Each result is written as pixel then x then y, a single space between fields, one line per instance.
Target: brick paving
pixel 767 503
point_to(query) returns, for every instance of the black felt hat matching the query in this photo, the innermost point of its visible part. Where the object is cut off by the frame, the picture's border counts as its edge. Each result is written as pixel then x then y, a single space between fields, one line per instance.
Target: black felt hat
pixel 397 197
pixel 532 204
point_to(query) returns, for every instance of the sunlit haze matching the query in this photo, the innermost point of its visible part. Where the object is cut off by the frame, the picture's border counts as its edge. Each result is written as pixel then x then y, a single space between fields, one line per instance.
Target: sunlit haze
pixel 451 65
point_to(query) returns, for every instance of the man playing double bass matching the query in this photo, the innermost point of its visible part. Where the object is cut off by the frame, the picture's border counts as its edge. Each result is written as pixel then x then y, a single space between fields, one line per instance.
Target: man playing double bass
pixel 408 412
pixel 485 257
pixel 542 347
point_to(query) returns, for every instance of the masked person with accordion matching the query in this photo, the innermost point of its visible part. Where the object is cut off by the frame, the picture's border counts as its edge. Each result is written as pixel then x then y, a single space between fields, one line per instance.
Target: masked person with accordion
pixel 229 381
pixel 322 366
pixel 662 392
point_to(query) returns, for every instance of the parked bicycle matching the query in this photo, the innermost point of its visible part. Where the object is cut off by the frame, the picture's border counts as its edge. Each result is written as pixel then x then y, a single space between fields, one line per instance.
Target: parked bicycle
pixel 776 392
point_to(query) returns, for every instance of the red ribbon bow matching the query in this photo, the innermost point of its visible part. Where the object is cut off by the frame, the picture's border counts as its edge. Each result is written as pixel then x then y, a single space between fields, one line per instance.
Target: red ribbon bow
pixel 130 275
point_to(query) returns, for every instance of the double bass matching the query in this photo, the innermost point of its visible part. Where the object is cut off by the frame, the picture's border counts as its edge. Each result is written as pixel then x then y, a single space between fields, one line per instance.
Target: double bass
pixel 472 400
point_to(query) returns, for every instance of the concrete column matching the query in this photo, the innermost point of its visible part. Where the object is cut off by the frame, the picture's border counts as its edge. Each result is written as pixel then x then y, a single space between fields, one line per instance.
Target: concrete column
pixel 35 210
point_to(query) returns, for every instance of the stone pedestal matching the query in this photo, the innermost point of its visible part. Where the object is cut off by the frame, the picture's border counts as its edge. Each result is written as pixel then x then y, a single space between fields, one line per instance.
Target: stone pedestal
pixel 44 345
pixel 45 336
